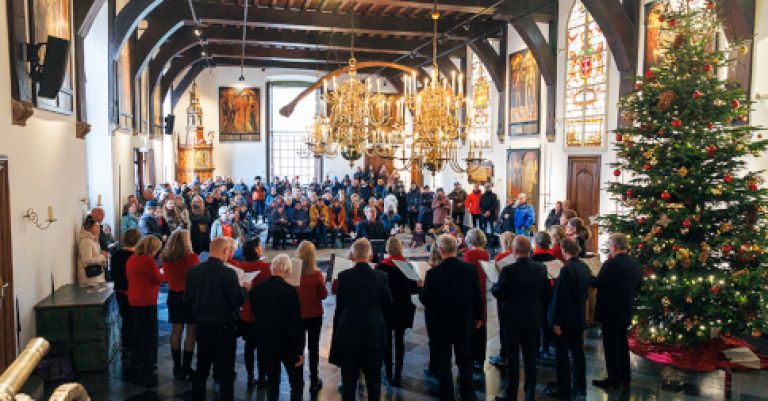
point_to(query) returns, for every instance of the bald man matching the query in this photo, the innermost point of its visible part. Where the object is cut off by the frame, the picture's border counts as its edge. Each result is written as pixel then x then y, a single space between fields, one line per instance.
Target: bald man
pixel 213 291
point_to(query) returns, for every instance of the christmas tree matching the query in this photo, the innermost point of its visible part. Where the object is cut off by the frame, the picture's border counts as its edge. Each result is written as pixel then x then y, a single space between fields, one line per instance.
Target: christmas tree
pixel 693 213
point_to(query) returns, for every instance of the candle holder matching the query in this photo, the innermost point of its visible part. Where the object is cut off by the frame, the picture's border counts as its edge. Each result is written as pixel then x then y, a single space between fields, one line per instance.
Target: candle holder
pixel 32 217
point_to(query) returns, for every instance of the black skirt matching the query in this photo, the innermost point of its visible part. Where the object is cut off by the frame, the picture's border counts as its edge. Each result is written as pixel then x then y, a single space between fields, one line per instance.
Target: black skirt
pixel 178 310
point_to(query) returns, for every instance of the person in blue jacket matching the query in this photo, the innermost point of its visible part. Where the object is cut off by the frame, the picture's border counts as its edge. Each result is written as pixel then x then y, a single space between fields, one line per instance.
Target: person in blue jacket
pixel 523 215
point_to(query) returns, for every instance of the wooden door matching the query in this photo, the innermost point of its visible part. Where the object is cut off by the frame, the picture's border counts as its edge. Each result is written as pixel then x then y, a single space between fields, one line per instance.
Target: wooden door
pixel 8 328
pixel 584 191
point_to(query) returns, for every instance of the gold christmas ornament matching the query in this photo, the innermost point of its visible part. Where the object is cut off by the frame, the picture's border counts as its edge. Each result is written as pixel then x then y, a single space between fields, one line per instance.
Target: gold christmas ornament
pixel 685 230
pixel 665 100
pixel 743 49
pixel 657 249
pixel 688 300
pixel 726 227
pixel 716 190
pixel 718 102
pixel 671 263
pixel 756 333
pixel 665 301
pixel 682 172
pixel 648 154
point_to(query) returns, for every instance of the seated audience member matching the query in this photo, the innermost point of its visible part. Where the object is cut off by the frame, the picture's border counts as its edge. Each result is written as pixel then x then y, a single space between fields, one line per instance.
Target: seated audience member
pixel 507 255
pixel 245 221
pixel 476 242
pixel 365 191
pixel 246 329
pixel 338 225
pixel 522 290
pixel 279 226
pixel 130 219
pixel 390 220
pixel 299 218
pixel 524 215
pixel 553 218
pixel 319 220
pixel 91 259
pixel 418 237
pixel 579 231
pixel 224 226
pixel 117 263
pixel 557 234
pixel 566 216
pixel 270 199
pixel 379 189
pixel 213 291
pixel 448 227
pixel 542 253
pixel 312 292
pixel 200 225
pixel 278 327
pixel 144 279
pixel 359 334
pixel 399 316
pixel 149 223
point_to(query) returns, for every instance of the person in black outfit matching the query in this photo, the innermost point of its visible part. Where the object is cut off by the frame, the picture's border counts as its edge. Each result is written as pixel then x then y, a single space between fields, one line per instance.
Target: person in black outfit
pixel 617 285
pixel 279 329
pixel 566 316
pixel 553 218
pixel 523 290
pixel 372 229
pixel 413 199
pixel 400 315
pixel 543 254
pixel 489 207
pixel 402 204
pixel 213 291
pixel 425 208
pixel 359 335
pixel 117 263
pixel 453 310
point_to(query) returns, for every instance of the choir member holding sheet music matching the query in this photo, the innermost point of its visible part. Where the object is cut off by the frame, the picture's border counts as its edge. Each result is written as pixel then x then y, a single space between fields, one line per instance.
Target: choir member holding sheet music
pixel 312 292
pixel 522 290
pixel 543 254
pixel 504 258
pixel 399 316
pixel 476 241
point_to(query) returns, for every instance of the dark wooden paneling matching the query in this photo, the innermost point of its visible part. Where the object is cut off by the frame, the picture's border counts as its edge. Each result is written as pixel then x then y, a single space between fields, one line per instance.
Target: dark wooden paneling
pixel 8 329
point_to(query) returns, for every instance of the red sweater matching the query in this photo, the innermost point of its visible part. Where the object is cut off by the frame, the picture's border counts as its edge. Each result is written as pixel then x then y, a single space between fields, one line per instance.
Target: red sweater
pixel 312 292
pixel 263 267
pixel 473 202
pixel 502 255
pixel 557 252
pixel 176 271
pixel 474 256
pixel 144 279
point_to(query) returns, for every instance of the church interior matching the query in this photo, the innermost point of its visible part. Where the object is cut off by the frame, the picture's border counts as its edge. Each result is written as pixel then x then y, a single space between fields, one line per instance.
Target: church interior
pixel 338 124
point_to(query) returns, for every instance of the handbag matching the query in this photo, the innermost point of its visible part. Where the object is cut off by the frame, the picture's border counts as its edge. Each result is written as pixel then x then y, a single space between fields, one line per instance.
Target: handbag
pixel 93 270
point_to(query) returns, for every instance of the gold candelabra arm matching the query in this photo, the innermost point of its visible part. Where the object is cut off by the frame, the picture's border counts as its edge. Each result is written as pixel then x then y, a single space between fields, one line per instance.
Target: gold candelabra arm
pixel 13 379
pixel 70 392
pixel 31 216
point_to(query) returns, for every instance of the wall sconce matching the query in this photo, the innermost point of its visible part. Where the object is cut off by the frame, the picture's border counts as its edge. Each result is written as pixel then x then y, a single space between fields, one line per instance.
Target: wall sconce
pixel 32 217
pixel 762 98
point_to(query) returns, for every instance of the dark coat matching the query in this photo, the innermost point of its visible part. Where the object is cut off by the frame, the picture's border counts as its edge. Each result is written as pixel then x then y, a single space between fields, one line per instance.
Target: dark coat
pixel 522 290
pixel 413 198
pixel 425 207
pixel 371 230
pixel 148 225
pixel 213 292
pixel 508 223
pixel 617 285
pixel 553 218
pixel 452 301
pixel 277 325
pixel 567 307
pixel 402 204
pixel 489 202
pixel 400 314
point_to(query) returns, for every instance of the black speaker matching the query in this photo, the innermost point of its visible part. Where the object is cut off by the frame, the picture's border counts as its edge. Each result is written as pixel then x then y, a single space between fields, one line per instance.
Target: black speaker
pixel 169 120
pixel 53 68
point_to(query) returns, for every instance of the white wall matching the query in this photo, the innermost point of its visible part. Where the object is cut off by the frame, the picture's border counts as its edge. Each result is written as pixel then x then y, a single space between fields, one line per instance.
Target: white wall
pixel 759 115
pixel 47 166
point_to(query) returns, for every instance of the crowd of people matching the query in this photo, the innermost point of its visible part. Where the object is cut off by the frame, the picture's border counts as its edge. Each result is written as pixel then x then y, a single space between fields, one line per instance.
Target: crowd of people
pixel 164 232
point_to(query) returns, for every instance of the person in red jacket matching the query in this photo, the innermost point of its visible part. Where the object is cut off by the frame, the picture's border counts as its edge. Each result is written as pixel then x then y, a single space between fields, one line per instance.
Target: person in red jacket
pixel 252 263
pixel 178 258
pixel 144 279
pixel 473 205
pixel 476 242
pixel 312 292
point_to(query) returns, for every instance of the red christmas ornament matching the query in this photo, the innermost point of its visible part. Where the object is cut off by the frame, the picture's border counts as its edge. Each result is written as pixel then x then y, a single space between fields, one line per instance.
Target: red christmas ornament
pixel 710 5
pixel 616 173
pixel 647 166
pixel 630 193
pixel 640 246
pixel 711 150
pixel 675 248
pixel 677 123
pixel 710 125
pixel 649 74
pixel 742 119
pixel 714 290
pixel 727 248
pixel 661 131
pixel 641 220
pixel 619 138
pixel 686 223
pixel 638 85
pixel 666 195
pixel 707 67
pixel 661 18
pixel 728 178
pixel 672 22
pixel 735 103
pixel 753 187
pixel 696 94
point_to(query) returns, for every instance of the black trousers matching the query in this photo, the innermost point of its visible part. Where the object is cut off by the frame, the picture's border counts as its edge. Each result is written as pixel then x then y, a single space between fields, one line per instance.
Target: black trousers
pixel 485 222
pixel 126 330
pixel 571 364
pixel 440 354
pixel 476 220
pixel 502 331
pixel 250 350
pixel 412 218
pixel 144 352
pixel 524 341
pixel 479 340
pixel 395 335
pixel 369 361
pixel 295 376
pixel 312 327
pixel 458 218
pixel 216 346
pixel 616 351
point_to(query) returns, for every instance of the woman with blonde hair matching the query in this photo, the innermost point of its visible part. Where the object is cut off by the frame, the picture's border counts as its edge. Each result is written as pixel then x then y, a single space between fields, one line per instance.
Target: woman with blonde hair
pixel 199 224
pixel 90 258
pixel 557 233
pixel 312 292
pixel 476 241
pixel 144 279
pixel 178 258
pixel 578 230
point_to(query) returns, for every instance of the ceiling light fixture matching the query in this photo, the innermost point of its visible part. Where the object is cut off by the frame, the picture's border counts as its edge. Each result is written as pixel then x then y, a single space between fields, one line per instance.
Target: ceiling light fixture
pixel 242 55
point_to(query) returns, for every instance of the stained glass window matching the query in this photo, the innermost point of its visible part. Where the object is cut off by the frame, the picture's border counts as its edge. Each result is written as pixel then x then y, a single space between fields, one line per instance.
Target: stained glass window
pixel 481 103
pixel 586 80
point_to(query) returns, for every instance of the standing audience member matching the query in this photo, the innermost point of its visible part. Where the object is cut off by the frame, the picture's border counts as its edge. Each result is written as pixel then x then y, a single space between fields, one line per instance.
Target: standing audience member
pixel 98 215
pixel 522 290
pixel 117 262
pixel 178 257
pixel 171 216
pixel 130 219
pixel 224 226
pixel 473 205
pixel 402 204
pixel 579 231
pixel 91 259
pixel 216 297
pixel 199 225
pixel 507 249
pixel 557 234
pixel 566 216
pixel 617 285
pixel 359 335
pixel 553 218
pixel 148 223
pixel 459 198
pixel 425 207
pixel 524 215
pixel 543 254
pixel 476 241
pixel 278 327
pixel 399 316
pixel 390 220
pixel 489 204
pixel 413 199
pixel 441 208
pixel 312 292
pixel 144 279
pixel 453 311
pixel 566 316
pixel 506 221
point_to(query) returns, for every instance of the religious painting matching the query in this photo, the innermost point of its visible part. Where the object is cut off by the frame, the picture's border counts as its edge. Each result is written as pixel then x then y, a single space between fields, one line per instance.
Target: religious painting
pixel 524 94
pixel 657 39
pixel 53 17
pixel 239 114
pixel 481 174
pixel 124 89
pixel 157 111
pixel 523 174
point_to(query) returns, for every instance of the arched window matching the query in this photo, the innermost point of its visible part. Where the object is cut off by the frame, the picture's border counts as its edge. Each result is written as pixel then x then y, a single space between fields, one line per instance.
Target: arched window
pixel 586 80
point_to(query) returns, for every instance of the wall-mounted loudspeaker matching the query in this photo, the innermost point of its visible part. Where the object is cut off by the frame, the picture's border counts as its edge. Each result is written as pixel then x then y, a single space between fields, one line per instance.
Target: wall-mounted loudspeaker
pixel 50 74
pixel 169 120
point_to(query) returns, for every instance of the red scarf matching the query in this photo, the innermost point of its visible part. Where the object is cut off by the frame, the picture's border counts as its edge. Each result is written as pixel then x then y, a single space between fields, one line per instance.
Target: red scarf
pixel 390 261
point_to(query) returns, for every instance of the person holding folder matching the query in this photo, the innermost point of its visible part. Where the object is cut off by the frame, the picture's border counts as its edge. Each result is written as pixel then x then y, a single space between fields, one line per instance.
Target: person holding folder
pixel 507 253
pixel 476 254
pixel 399 316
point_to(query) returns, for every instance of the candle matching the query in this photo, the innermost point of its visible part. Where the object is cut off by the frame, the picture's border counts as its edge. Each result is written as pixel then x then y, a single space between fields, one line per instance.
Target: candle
pixel 461 84
pixel 50 213
pixel 98 203
pixel 453 81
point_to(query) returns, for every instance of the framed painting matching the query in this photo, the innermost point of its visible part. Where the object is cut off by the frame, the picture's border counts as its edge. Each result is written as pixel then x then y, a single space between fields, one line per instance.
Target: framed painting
pixel 657 39
pixel 523 174
pixel 482 174
pixel 124 89
pixel 524 94
pixel 52 17
pixel 239 114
